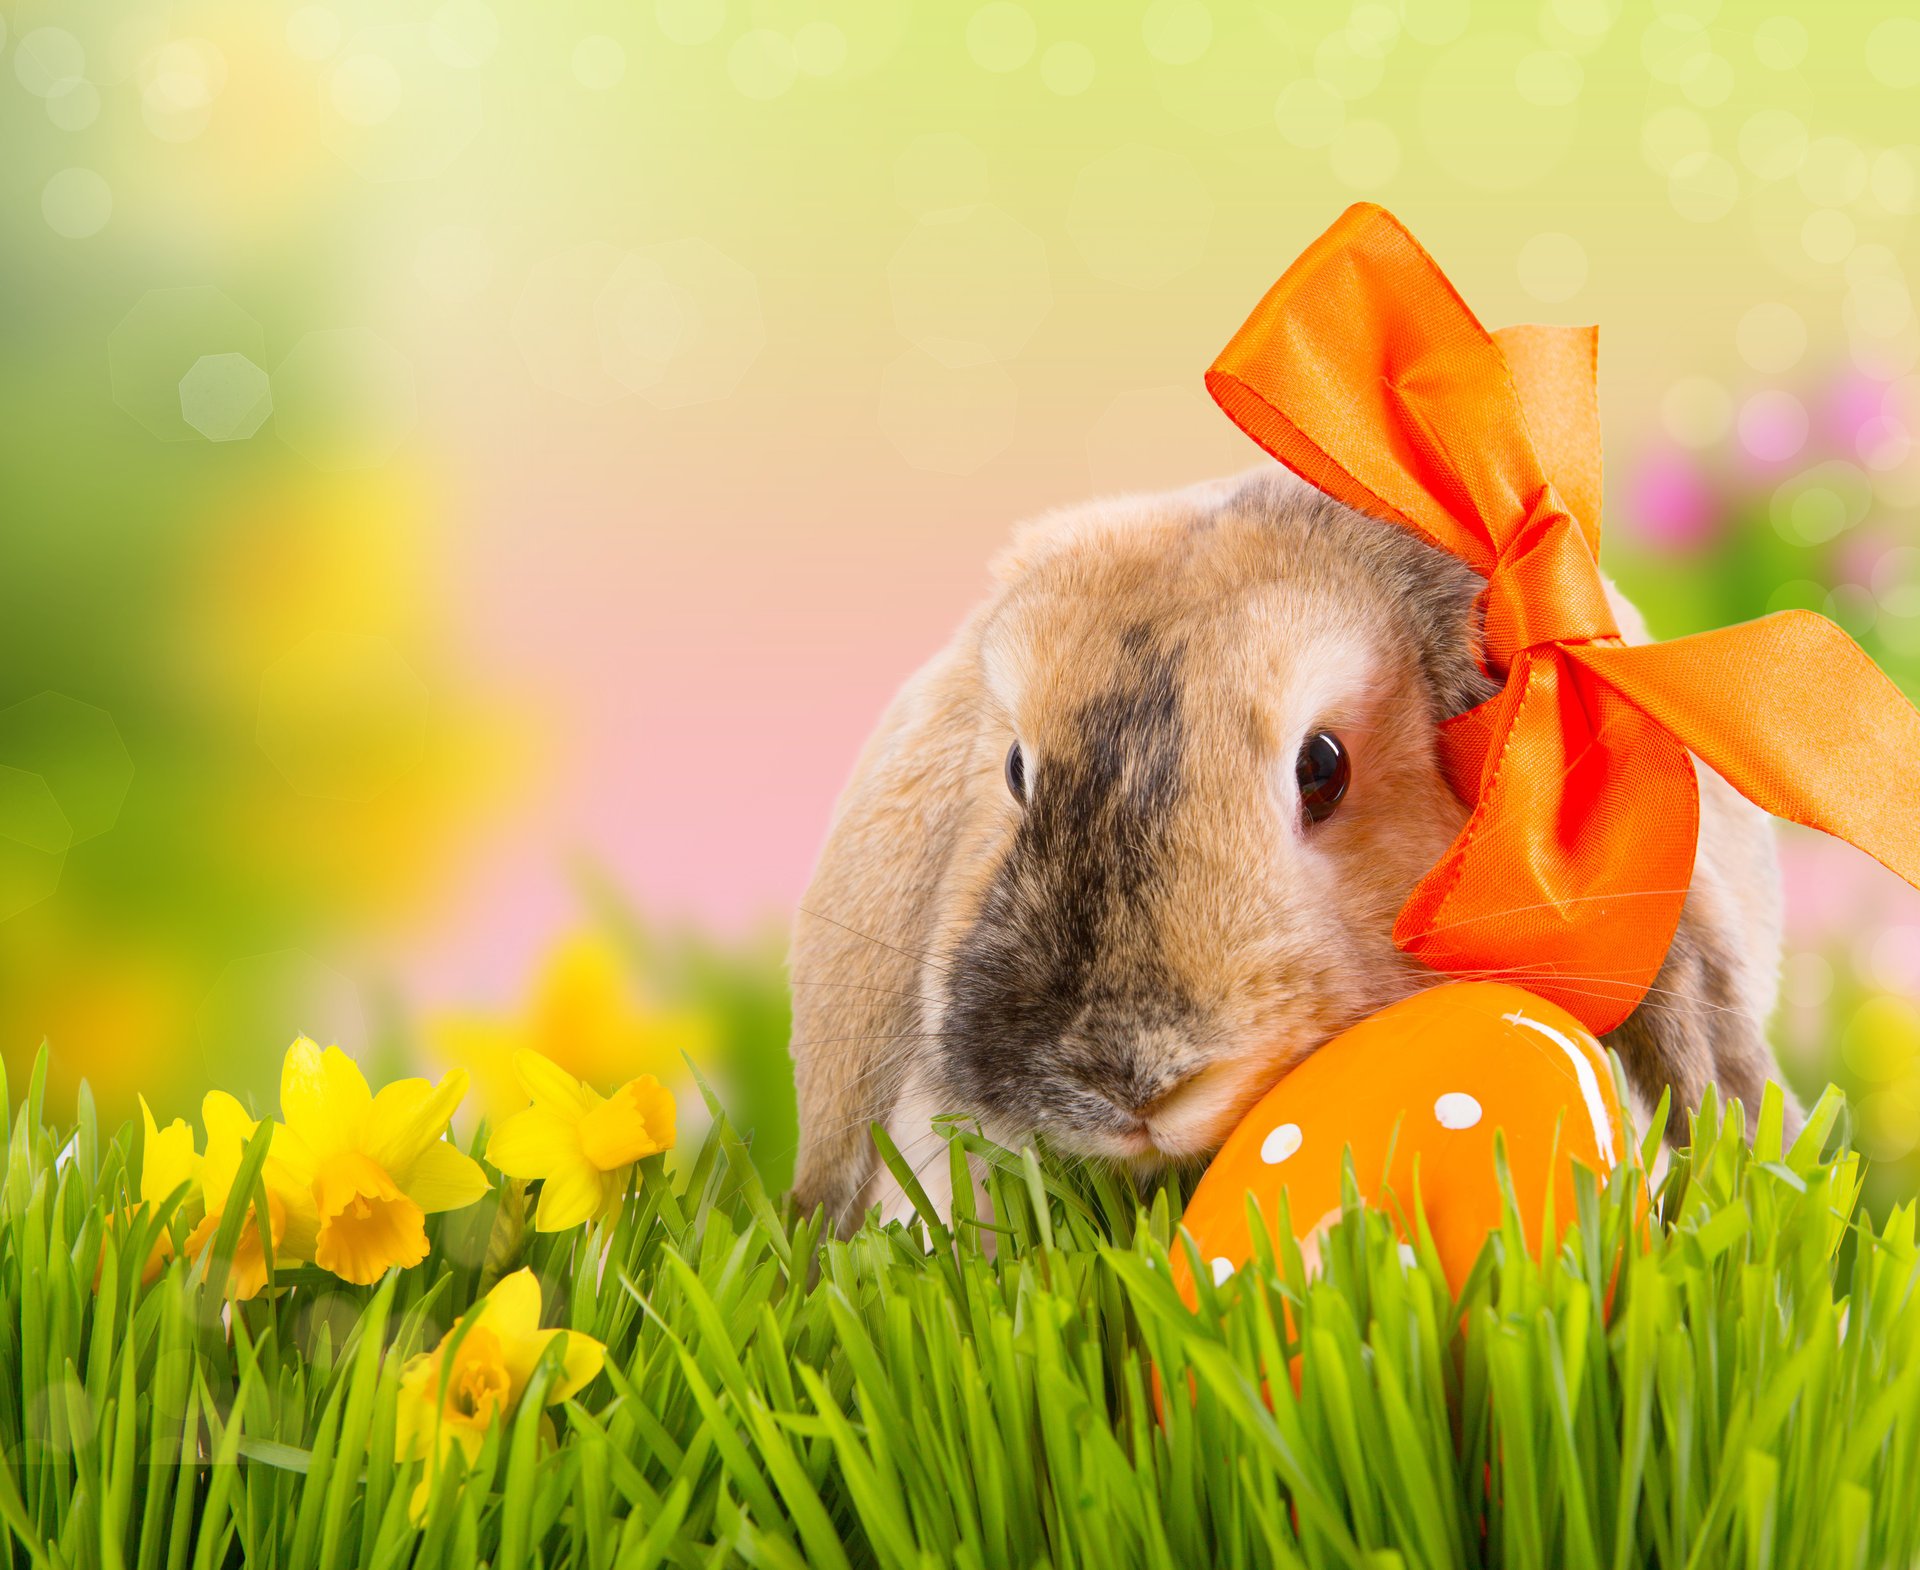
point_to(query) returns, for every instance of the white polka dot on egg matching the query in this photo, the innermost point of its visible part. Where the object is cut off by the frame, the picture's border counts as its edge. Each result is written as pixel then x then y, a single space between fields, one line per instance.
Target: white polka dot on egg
pixel 1281 1143
pixel 1222 1268
pixel 1456 1109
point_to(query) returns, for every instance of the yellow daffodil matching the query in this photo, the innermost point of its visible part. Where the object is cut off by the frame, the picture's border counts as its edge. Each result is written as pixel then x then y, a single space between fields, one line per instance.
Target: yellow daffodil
pixel 580 1144
pixel 358 1172
pixel 583 1014
pixel 452 1396
pixel 228 1130
pixel 168 1159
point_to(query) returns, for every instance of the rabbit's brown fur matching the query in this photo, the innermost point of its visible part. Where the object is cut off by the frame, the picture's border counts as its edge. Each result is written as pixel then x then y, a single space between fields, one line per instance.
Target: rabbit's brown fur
pixel 1124 962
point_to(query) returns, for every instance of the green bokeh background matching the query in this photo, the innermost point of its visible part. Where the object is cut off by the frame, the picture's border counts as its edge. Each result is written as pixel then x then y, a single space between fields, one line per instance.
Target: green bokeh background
pixel 446 446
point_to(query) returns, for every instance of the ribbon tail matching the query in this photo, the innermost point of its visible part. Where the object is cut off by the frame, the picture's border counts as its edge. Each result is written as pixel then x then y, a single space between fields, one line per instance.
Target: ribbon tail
pixel 1793 714
pixel 1570 875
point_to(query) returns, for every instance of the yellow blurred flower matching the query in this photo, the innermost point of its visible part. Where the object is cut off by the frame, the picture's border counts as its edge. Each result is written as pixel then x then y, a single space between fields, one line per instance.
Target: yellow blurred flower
pixel 582 1015
pixel 452 1396
pixel 1881 1041
pixel 580 1144
pixel 360 1172
pixel 228 1130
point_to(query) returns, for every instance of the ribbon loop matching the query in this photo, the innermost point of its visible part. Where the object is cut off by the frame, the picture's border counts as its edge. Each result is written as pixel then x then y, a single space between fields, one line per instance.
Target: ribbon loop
pixel 1364 372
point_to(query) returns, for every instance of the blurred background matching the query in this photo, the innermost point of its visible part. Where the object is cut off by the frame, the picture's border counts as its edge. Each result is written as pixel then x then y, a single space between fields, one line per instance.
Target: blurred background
pixel 472 473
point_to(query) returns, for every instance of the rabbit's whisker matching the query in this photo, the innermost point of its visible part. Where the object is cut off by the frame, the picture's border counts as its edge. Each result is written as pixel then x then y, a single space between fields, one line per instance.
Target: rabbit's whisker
pixel 920 956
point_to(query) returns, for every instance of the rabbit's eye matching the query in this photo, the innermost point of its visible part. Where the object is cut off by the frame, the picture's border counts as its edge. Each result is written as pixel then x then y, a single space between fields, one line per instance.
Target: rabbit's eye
pixel 1323 773
pixel 1017 773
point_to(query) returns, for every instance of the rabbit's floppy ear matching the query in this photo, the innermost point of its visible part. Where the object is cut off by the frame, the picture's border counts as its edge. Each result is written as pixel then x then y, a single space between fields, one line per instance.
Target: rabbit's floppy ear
pixel 867 925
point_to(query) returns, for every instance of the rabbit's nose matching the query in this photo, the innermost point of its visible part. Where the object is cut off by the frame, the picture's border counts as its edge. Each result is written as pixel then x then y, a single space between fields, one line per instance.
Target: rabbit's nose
pixel 1192 1116
pixel 1145 1099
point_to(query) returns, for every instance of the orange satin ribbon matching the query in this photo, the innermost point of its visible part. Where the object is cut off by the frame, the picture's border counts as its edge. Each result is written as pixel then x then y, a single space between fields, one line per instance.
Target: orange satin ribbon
pixel 1365 373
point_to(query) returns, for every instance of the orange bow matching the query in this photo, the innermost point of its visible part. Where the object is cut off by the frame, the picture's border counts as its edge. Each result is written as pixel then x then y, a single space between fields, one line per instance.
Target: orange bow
pixel 1365 373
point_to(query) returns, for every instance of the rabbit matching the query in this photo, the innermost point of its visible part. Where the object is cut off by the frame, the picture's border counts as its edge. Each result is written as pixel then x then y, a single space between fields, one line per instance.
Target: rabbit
pixel 1132 845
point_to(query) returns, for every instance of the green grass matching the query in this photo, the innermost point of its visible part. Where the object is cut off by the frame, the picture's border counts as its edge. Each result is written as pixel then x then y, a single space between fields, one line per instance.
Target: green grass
pixel 1748 1394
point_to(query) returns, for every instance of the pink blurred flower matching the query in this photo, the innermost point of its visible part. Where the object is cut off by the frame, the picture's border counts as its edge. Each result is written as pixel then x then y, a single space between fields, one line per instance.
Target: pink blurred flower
pixel 1836 897
pixel 1850 404
pixel 1896 960
pixel 1674 505
pixel 1773 426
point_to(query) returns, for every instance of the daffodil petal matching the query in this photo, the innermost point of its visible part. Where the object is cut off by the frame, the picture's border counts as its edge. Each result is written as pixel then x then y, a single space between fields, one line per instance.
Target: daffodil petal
pixel 636 1120
pixel 569 1195
pixel 512 1309
pixel 409 1115
pixel 178 1164
pixel 290 1170
pixel 469 1441
pixel 414 1407
pixel 532 1143
pixel 551 1086
pixel 521 1356
pixel 442 1177
pixel 228 1130
pixel 249 1275
pixel 617 1186
pixel 218 1171
pixel 394 1105
pixel 302 1235
pixel 581 1361
pixel 169 1157
pixel 325 1096
pixel 225 1117
pixel 297 1159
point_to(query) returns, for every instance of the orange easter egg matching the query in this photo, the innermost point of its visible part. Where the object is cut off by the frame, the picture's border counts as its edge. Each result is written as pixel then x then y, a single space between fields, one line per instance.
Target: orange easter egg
pixel 1428 1081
